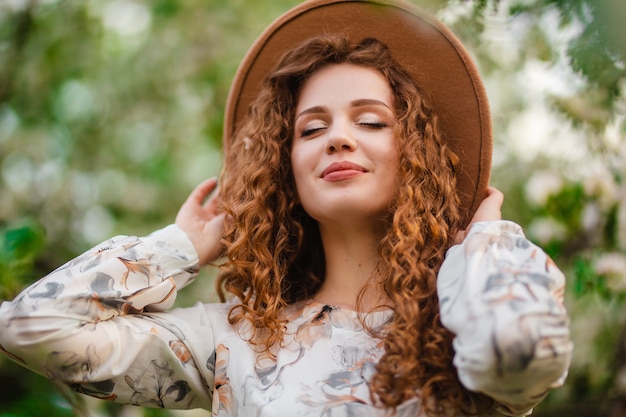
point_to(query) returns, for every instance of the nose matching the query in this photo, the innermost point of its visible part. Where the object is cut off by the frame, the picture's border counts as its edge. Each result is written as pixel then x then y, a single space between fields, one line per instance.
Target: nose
pixel 340 139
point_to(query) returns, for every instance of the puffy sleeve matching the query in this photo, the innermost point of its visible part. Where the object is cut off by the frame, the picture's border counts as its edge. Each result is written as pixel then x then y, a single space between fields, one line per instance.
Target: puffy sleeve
pixel 98 324
pixel 502 297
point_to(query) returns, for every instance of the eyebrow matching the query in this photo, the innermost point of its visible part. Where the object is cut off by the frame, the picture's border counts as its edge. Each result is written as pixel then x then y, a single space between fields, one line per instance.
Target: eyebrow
pixel 356 103
pixel 369 102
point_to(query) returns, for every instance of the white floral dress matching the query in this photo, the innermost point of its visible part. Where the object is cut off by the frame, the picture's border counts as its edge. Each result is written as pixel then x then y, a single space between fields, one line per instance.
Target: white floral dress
pixel 103 325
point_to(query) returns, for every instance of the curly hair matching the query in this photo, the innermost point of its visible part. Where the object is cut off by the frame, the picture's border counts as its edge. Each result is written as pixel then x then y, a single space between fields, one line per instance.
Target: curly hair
pixel 274 249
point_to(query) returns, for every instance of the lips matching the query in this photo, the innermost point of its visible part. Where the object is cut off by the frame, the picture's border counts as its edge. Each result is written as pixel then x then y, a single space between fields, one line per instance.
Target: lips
pixel 342 170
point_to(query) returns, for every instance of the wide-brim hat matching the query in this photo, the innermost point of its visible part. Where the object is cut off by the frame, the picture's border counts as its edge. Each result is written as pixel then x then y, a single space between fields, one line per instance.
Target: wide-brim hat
pixel 424 46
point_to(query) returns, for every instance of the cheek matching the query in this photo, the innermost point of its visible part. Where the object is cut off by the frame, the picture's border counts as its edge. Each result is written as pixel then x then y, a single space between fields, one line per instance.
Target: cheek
pixel 302 161
pixel 392 160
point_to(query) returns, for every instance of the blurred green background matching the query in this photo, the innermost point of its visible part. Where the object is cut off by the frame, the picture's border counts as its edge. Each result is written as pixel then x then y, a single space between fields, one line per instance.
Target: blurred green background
pixel 111 112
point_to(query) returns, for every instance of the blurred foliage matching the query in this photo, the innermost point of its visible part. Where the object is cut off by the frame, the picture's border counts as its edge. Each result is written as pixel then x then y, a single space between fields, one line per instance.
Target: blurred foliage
pixel 555 71
pixel 111 111
pixel 19 245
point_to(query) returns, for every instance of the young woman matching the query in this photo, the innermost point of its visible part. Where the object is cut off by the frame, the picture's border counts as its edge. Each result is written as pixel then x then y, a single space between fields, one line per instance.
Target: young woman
pixel 367 278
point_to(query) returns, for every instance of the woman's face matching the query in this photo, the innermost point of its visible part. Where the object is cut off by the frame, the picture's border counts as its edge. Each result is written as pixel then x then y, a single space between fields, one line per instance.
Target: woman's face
pixel 344 155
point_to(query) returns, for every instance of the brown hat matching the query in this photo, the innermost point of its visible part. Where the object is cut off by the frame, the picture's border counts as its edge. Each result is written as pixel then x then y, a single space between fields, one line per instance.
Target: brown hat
pixel 426 48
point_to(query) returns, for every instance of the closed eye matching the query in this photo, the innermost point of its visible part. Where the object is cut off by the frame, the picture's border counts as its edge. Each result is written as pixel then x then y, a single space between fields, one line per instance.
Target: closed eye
pixel 311 129
pixel 374 125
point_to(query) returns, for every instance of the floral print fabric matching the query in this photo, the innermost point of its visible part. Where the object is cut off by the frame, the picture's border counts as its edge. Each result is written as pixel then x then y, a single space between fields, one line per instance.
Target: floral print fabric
pixel 102 324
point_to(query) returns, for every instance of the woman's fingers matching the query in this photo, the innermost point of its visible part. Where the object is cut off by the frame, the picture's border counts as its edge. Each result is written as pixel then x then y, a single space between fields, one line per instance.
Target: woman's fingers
pixel 202 203
pixel 490 209
pixel 199 218
pixel 213 202
pixel 203 190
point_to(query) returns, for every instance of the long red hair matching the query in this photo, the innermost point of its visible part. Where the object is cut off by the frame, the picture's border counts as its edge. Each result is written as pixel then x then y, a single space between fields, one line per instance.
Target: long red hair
pixel 274 250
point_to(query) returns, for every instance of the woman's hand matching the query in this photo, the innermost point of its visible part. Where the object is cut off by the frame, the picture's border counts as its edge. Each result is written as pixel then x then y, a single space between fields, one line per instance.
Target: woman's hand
pixel 200 219
pixel 489 210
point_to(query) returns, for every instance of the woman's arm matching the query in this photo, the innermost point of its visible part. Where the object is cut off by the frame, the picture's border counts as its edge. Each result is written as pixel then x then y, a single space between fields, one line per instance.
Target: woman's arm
pixel 92 324
pixel 98 324
pixel 502 297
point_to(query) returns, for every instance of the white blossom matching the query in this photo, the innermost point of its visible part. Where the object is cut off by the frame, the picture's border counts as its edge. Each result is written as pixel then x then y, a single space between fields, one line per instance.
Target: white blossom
pixel 591 217
pixel 541 186
pixel 547 229
pixel 601 186
pixel 612 266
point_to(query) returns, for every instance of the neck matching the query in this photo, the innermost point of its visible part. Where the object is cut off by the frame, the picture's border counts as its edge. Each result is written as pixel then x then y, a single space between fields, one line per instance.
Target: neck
pixel 351 255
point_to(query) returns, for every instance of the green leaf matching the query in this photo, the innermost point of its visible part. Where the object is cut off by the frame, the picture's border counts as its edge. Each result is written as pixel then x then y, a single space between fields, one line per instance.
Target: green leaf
pixel 21 243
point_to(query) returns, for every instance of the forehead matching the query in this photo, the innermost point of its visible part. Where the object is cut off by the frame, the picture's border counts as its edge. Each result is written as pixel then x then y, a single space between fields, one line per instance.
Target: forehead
pixel 344 82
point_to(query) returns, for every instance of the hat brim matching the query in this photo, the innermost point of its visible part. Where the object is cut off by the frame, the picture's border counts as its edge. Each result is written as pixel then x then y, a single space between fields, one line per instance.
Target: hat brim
pixel 425 47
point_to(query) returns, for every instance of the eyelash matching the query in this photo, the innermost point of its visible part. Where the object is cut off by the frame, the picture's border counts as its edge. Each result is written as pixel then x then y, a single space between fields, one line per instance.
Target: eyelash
pixel 375 125
pixel 372 125
pixel 310 131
